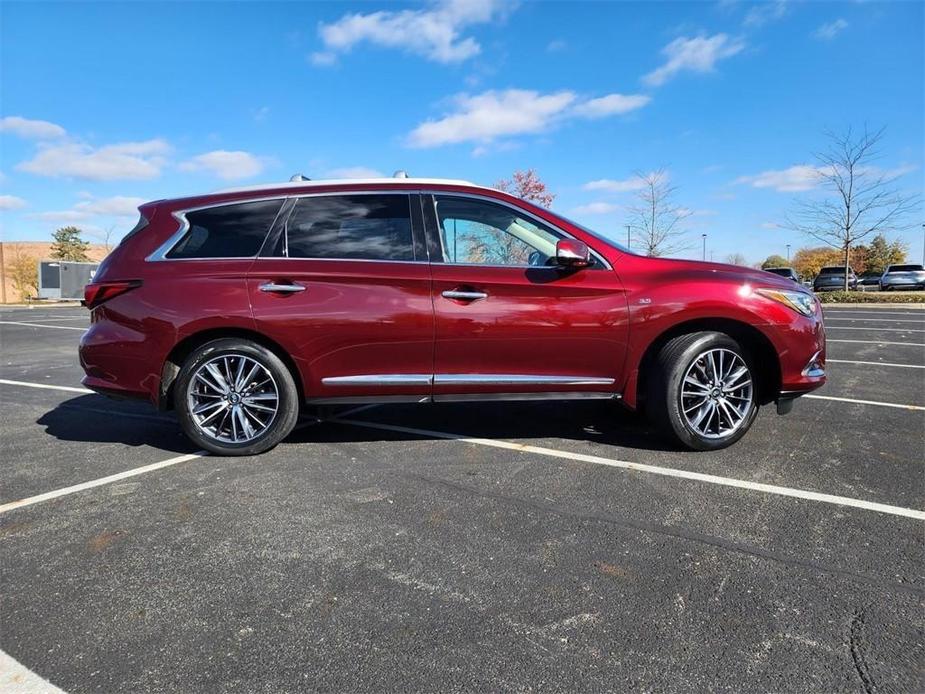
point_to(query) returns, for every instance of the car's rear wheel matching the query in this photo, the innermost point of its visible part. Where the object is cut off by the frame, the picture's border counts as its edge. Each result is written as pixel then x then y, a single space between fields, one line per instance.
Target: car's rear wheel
pixel 235 397
pixel 703 390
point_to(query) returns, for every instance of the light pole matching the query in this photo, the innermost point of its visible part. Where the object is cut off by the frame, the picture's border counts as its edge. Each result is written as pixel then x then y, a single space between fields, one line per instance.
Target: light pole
pixel 704 237
pixel 788 252
pixel 628 244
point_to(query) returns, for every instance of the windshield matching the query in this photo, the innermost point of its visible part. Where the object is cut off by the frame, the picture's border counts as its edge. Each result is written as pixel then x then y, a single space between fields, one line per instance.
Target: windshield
pixel 606 239
pixel 904 268
pixel 782 271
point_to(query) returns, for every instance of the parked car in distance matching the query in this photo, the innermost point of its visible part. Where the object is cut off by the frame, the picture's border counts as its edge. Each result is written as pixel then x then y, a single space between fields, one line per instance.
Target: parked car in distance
pixel 869 281
pixel 833 278
pixel 787 272
pixel 237 308
pixel 902 277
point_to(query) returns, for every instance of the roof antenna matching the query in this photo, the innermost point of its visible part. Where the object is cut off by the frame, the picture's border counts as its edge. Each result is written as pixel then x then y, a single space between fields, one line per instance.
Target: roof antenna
pixel 401 173
pixel 298 178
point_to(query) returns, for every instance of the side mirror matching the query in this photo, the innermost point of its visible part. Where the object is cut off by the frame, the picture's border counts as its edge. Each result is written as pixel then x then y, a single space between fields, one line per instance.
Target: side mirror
pixel 572 253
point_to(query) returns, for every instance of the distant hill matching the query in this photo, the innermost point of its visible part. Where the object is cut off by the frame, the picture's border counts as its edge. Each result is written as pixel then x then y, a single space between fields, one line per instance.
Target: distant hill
pixel 39 250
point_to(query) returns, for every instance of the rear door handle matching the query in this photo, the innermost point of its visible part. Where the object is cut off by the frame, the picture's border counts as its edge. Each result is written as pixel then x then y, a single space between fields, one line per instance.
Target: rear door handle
pixel 462 295
pixel 282 288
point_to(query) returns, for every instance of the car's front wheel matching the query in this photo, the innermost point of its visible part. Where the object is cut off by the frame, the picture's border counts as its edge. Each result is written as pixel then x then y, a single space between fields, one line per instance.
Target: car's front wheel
pixel 703 390
pixel 235 397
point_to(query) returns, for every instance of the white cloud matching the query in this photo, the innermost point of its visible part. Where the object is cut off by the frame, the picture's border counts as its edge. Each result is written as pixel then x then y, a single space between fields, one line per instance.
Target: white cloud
pixel 354 172
pixel 226 165
pixel 126 160
pixel 830 30
pixel 117 206
pixel 323 58
pixel 765 12
pixel 433 32
pixel 11 202
pixel 698 54
pixel 795 179
pixel 613 186
pixel 612 104
pixel 494 114
pixel 31 129
pixel 556 45
pixel 598 207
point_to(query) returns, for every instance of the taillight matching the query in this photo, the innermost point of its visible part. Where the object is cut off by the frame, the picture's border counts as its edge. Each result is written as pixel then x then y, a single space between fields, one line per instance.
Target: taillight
pixel 98 292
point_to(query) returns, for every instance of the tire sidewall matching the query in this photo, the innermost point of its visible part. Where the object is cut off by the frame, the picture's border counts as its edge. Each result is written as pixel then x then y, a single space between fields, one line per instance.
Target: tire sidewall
pixel 676 417
pixel 286 415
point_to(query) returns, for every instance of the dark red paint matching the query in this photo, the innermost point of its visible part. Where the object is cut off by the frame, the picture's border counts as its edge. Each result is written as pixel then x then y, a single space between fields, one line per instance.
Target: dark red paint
pixel 371 317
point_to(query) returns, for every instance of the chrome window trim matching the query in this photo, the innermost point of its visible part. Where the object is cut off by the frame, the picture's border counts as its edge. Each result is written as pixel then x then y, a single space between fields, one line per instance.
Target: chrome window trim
pixel 161 252
pixel 516 208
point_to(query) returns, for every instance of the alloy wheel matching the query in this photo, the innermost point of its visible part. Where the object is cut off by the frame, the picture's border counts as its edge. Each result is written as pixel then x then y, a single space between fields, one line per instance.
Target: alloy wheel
pixel 233 398
pixel 717 393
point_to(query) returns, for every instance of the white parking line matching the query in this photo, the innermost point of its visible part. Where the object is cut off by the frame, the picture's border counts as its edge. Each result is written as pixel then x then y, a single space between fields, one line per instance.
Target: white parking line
pixel 46 386
pixel 867 402
pixel 874 329
pixel 653 469
pixel 109 479
pixel 874 363
pixel 878 342
pixel 42 325
pixel 874 320
pixel 16 677
pixel 830 312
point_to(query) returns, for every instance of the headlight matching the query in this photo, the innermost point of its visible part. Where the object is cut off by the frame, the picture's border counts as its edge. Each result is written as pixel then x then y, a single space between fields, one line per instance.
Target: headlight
pixel 801 302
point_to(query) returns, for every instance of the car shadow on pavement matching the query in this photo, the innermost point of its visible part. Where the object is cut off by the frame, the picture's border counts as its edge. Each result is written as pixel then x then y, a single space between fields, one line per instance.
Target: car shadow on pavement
pixel 98 419
pixel 597 421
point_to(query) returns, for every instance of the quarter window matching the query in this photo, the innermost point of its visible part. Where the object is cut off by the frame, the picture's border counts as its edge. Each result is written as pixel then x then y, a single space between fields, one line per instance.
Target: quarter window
pixel 227 231
pixel 351 227
pixel 485 233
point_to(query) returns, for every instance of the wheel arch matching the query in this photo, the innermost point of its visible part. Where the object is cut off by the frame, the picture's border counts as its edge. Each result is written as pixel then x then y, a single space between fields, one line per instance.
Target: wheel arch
pixel 751 338
pixel 185 347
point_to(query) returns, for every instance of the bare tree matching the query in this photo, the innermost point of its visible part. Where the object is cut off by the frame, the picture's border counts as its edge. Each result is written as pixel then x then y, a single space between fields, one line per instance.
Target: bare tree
pixel 857 199
pixel 657 222
pixel 737 259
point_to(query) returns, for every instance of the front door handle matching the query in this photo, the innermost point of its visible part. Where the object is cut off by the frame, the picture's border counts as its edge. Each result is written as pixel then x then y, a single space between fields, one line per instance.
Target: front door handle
pixel 462 295
pixel 281 288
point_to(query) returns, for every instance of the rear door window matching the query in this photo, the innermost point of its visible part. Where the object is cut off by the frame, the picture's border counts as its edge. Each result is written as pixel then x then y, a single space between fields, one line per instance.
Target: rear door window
pixel 226 231
pixel 351 227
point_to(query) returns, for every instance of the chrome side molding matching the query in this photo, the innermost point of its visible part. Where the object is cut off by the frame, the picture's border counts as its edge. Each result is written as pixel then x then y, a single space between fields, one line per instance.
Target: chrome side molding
pixel 387 380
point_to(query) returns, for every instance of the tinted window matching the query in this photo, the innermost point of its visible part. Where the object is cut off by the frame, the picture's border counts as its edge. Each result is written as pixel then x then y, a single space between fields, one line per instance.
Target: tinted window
pixel 782 271
pixel 834 271
pixel 904 268
pixel 228 231
pixel 351 227
pixel 486 233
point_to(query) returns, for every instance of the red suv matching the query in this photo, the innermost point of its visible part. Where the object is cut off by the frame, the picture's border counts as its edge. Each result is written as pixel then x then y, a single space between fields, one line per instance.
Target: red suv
pixel 238 307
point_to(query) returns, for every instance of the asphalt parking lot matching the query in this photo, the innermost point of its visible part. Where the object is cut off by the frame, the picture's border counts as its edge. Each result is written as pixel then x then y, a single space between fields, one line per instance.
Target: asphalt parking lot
pixel 515 547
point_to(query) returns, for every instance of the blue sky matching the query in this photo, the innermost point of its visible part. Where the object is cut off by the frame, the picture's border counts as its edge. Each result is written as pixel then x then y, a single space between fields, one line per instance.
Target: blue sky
pixel 104 105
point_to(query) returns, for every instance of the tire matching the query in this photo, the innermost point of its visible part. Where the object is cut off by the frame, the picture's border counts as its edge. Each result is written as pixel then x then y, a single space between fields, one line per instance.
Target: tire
pixel 235 418
pixel 669 395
